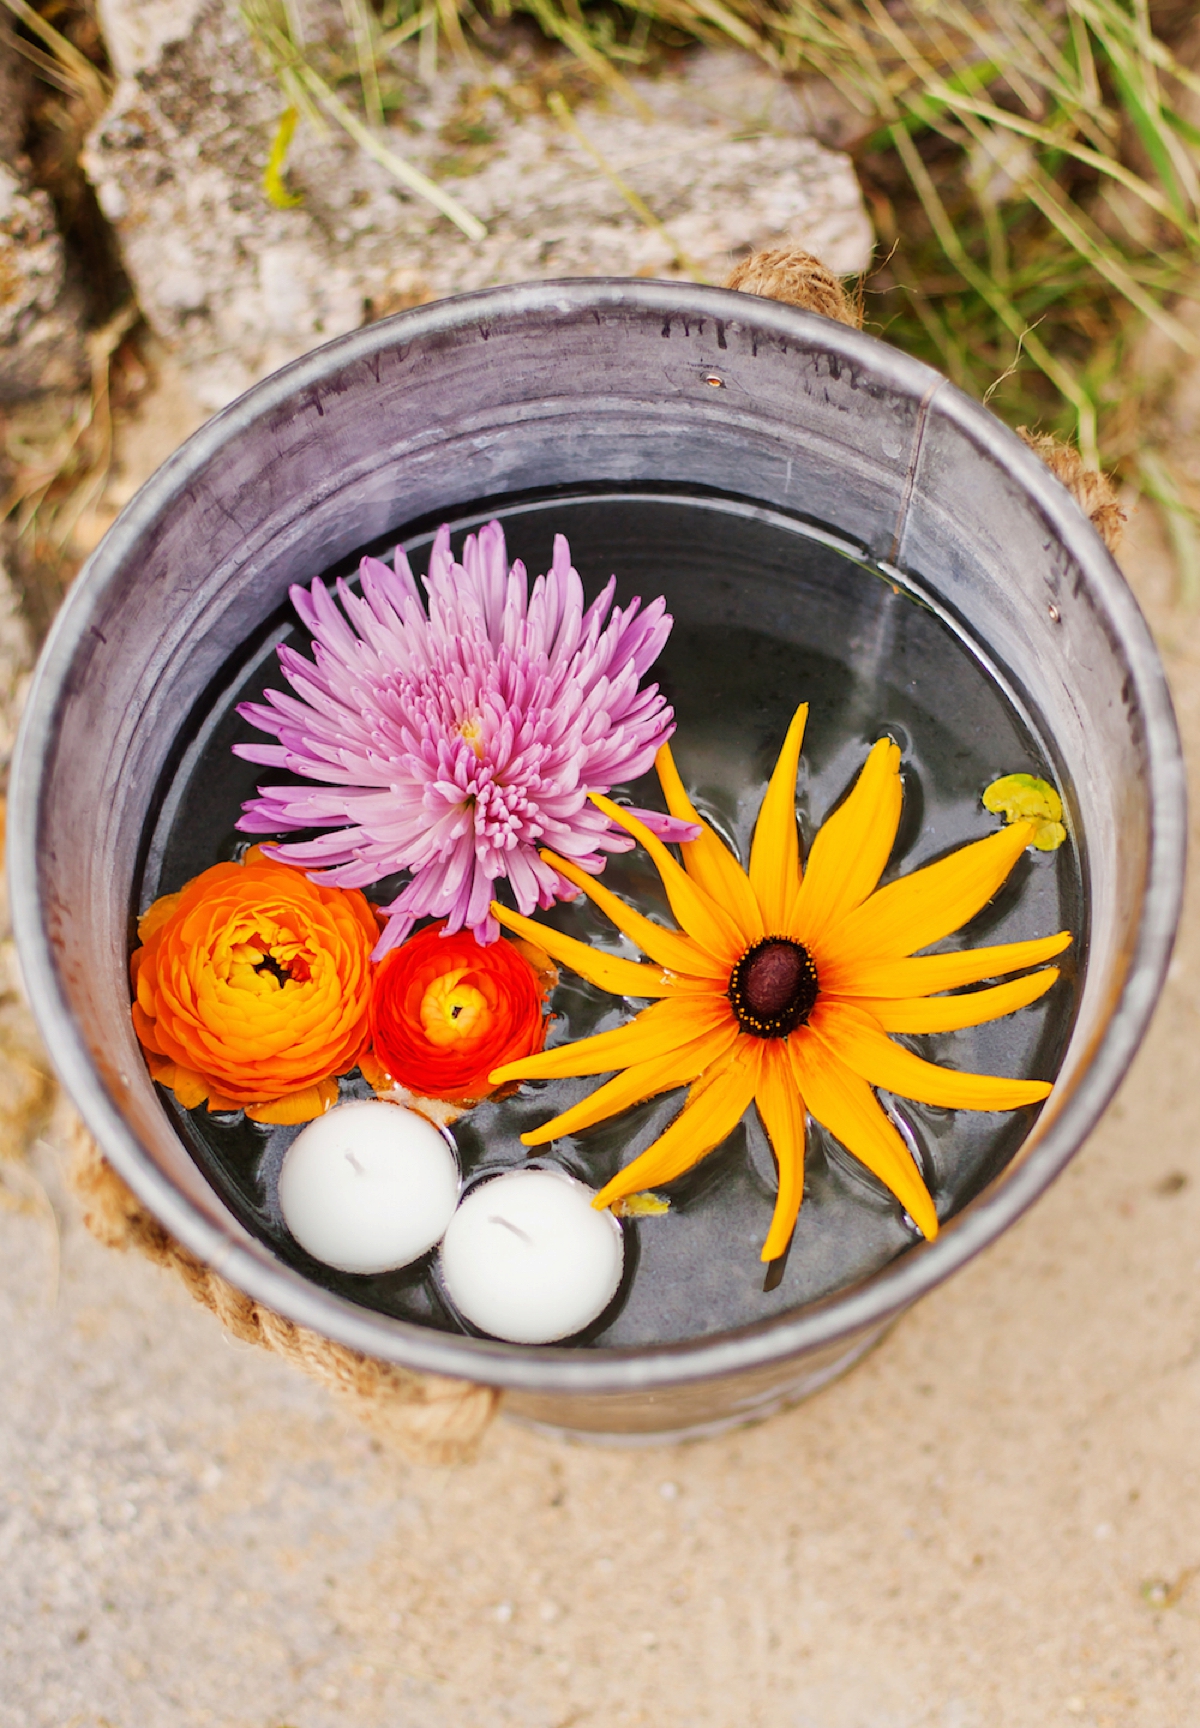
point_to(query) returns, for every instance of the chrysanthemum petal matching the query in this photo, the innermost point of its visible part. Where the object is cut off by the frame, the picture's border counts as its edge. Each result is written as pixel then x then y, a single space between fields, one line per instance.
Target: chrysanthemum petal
pixel 859 1041
pixel 677 953
pixel 922 908
pixel 775 849
pixel 644 1080
pixel 950 1013
pixel 931 972
pixel 843 1102
pixel 848 856
pixel 620 977
pixel 715 1106
pixel 655 1032
pixel 707 859
pixel 782 1111
pixel 698 913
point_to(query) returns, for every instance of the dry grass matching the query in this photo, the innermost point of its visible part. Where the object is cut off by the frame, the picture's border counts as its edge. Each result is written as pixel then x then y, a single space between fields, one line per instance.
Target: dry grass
pixel 1033 172
pixel 58 454
pixel 1032 169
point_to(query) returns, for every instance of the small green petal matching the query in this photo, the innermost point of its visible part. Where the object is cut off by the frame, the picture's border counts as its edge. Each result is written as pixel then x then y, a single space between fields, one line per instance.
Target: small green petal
pixel 1025 798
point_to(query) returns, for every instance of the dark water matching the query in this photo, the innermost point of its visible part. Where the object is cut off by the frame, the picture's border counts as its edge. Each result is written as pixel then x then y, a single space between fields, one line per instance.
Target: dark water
pixel 768 613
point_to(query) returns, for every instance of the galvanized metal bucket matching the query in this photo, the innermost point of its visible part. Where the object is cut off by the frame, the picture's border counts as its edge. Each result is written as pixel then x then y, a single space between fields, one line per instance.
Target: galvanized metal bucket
pixel 559 384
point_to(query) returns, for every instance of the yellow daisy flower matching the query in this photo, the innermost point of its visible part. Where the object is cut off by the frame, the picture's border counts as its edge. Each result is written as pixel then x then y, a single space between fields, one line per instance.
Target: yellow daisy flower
pixel 781 985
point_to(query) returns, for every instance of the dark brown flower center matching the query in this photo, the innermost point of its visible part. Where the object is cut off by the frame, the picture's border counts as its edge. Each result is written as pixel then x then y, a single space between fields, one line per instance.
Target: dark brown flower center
pixel 773 988
pixel 268 963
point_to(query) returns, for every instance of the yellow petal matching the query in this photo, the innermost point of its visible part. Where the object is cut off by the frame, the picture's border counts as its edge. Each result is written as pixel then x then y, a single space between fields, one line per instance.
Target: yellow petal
pixel 642 1206
pixel 775 850
pixel 928 904
pixel 301 1106
pixel 696 911
pixel 644 1080
pixel 621 977
pixel 782 1111
pixel 678 953
pixel 654 1032
pixel 848 856
pixel 949 1013
pixel 715 1106
pixel 155 916
pixel 930 972
pixel 190 1088
pixel 862 1044
pixel 707 860
pixel 374 1072
pixel 545 971
pixel 842 1102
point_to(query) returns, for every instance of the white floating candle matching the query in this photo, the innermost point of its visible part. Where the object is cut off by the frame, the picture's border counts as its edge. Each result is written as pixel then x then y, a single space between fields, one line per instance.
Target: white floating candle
pixel 368 1187
pixel 529 1259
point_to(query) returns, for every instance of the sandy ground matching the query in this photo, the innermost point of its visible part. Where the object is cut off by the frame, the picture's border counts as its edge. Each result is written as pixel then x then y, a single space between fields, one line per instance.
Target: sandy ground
pixel 993 1522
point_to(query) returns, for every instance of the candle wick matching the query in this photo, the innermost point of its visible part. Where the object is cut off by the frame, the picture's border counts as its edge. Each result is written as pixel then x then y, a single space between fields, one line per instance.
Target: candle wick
pixel 354 1164
pixel 508 1226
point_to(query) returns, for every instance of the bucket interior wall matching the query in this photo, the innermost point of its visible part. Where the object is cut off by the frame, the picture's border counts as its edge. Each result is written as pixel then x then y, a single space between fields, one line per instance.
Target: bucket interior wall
pixel 545 386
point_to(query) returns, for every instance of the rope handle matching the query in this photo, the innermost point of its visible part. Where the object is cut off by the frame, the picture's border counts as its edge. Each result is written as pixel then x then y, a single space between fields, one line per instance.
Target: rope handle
pixel 430 1419
pixel 789 273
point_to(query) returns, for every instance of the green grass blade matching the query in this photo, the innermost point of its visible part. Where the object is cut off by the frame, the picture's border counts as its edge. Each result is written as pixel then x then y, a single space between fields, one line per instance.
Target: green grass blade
pixel 89 79
pixel 1149 127
pixel 395 165
pixel 1059 375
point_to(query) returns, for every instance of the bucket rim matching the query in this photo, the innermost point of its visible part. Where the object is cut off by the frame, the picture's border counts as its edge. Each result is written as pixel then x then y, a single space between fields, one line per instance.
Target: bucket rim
pixel 248 1264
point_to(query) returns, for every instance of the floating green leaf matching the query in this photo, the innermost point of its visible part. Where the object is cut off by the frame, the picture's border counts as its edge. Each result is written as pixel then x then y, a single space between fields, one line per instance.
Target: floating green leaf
pixel 1025 798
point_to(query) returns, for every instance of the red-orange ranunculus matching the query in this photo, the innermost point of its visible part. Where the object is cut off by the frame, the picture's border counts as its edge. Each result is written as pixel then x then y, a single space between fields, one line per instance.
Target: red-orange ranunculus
pixel 252 989
pixel 445 1011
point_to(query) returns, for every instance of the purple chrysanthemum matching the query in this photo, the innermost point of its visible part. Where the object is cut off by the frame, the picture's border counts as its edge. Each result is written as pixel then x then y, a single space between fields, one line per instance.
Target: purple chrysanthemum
pixel 452 744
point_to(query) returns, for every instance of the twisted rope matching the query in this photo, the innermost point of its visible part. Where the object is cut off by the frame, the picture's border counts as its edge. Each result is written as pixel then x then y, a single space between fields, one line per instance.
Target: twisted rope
pixel 1092 491
pixel 430 1419
pixel 790 274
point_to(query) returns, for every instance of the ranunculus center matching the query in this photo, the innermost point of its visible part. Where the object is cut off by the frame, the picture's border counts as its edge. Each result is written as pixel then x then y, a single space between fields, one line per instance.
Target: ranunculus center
pixel 269 964
pixel 453 1011
pixel 773 988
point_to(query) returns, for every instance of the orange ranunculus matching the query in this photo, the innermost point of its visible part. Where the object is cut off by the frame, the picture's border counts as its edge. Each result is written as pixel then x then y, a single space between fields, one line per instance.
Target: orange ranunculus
pixel 444 1008
pixel 252 988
